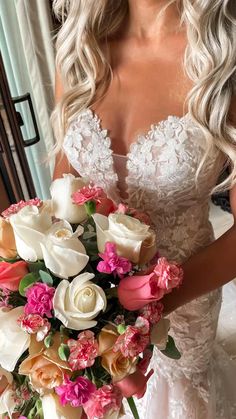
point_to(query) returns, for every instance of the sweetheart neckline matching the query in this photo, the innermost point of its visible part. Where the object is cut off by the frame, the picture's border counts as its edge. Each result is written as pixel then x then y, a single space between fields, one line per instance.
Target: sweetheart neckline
pixel 146 134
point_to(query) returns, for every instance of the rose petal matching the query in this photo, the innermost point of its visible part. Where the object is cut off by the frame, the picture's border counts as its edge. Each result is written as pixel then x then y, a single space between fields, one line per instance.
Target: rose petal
pixel 13 340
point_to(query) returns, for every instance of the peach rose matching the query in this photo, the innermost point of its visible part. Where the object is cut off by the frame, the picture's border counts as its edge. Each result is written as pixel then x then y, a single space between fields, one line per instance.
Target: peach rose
pixel 114 362
pixel 43 366
pixel 7 240
pixel 11 274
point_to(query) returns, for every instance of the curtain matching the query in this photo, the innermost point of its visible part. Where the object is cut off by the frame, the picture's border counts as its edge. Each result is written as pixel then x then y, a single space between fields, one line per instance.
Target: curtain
pixel 26 31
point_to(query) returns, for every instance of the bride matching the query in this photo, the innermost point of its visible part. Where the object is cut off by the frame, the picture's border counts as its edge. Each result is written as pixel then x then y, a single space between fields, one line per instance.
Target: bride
pixel 146 108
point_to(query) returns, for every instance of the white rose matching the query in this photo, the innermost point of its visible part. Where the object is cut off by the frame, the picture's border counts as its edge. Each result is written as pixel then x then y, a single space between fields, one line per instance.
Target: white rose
pixel 7 403
pixel 62 251
pixel 29 226
pixel 134 240
pixel 52 409
pixel 77 303
pixel 159 334
pixel 61 191
pixel 13 340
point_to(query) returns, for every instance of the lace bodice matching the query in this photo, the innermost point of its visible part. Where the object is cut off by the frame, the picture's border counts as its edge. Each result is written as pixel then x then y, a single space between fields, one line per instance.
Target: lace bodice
pixel 161 166
pixel 159 174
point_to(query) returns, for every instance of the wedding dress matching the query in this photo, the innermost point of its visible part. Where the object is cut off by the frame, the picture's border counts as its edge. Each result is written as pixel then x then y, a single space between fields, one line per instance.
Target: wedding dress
pixel 158 176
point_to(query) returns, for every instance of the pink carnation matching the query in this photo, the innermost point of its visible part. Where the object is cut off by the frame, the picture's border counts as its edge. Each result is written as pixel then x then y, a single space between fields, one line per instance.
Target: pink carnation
pixel 170 274
pixel 4 297
pixel 152 311
pixel 103 401
pixel 88 193
pixel 34 323
pixel 132 212
pixel 14 208
pixel 82 351
pixel 134 340
pixel 122 209
pixel 39 300
pixel 112 263
pixel 76 392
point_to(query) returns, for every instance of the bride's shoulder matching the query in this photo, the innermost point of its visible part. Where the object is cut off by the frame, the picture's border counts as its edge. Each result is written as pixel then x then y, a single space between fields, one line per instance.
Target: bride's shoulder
pixel 59 88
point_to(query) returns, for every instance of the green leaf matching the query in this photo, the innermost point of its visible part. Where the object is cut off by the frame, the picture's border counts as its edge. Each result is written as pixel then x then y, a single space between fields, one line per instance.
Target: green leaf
pixel 10 260
pixel 171 351
pixel 64 352
pixel 46 278
pixel 27 282
pixel 48 341
pixel 121 328
pixel 35 267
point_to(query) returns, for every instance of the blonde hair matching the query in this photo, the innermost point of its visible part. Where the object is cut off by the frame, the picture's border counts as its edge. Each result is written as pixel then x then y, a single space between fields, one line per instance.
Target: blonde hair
pixel 209 61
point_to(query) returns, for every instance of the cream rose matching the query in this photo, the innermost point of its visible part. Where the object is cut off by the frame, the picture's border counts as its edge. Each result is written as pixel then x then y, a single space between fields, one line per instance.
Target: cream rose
pixel 52 409
pixel 13 340
pixel 62 251
pixel 61 191
pixel 159 334
pixel 30 225
pixel 7 403
pixel 134 240
pixel 77 303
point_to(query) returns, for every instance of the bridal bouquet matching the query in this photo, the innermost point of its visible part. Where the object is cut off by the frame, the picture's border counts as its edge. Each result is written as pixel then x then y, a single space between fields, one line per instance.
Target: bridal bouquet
pixel 81 285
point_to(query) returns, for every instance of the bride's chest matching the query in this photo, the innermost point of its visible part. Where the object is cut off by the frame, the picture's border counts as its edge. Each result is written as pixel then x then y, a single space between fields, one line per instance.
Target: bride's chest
pixel 161 163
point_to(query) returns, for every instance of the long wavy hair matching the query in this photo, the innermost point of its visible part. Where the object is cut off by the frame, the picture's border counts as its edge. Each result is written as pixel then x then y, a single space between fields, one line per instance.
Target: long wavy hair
pixel 209 61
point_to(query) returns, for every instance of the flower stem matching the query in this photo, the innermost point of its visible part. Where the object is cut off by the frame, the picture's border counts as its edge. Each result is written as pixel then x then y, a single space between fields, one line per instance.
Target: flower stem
pixel 133 407
pixel 90 207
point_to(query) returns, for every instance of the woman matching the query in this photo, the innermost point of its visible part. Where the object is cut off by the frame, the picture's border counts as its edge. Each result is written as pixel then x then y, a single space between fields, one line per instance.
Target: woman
pixel 125 65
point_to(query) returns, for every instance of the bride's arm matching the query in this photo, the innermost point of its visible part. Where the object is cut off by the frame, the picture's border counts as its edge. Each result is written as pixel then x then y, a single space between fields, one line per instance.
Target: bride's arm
pixel 61 163
pixel 207 270
pixel 210 268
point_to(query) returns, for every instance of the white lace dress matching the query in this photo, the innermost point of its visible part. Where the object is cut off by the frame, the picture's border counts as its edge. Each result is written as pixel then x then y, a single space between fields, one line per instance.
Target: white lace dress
pixel 159 173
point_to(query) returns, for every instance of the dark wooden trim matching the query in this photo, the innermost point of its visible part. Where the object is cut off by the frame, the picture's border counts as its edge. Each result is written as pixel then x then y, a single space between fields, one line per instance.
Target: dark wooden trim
pixel 15 129
pixel 8 168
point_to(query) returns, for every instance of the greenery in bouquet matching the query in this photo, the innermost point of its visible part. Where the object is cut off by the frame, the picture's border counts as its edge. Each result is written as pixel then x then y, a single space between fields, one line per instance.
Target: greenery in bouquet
pixel 81 284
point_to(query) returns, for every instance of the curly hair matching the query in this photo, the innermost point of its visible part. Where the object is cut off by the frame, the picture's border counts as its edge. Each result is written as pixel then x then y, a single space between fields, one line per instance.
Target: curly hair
pixel 209 61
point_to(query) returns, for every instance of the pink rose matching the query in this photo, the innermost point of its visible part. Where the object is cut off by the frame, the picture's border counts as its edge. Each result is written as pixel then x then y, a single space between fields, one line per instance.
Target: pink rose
pixel 112 263
pixel 136 291
pixel 170 274
pixel 39 300
pixel 82 351
pixel 152 311
pixel 105 400
pixel 11 274
pixel 76 392
pixel 106 206
pixel 35 324
pixel 134 384
pixel 134 340
pixel 145 361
